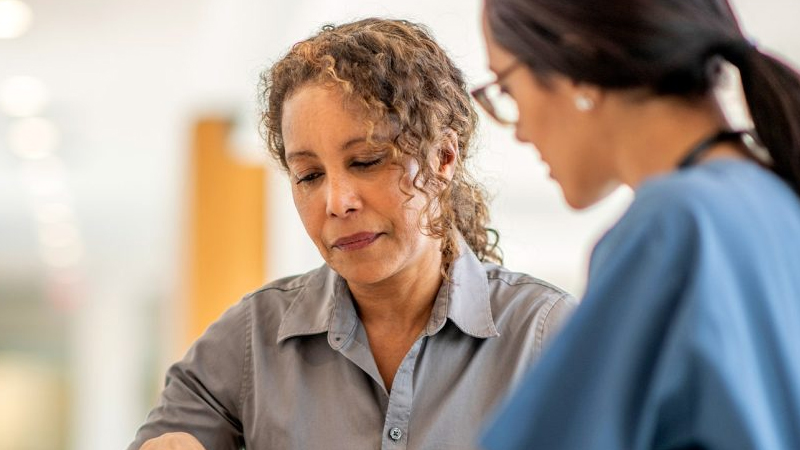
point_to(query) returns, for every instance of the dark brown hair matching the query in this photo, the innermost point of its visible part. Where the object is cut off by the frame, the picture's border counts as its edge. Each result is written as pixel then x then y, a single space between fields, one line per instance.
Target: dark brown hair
pixel 661 45
pixel 396 73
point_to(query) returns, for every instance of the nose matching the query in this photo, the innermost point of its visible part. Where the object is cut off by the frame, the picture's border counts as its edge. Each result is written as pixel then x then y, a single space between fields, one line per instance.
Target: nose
pixel 343 197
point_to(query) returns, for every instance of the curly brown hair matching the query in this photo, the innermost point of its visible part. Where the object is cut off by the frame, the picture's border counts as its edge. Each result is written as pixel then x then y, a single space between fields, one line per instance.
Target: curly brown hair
pixel 397 73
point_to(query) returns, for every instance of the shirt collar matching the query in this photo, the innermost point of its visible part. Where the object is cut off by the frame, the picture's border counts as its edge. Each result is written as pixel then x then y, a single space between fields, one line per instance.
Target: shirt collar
pixel 325 304
pixel 465 298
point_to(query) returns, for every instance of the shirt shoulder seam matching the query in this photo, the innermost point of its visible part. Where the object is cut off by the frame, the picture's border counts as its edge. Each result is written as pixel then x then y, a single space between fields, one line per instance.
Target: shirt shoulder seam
pixel 528 279
pixel 543 324
pixel 246 375
pixel 276 288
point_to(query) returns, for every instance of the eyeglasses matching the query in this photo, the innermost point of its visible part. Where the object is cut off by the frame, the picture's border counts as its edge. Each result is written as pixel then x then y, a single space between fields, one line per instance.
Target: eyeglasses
pixel 496 101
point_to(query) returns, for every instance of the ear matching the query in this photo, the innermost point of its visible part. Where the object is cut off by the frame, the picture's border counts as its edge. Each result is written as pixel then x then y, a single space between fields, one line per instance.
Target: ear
pixel 447 158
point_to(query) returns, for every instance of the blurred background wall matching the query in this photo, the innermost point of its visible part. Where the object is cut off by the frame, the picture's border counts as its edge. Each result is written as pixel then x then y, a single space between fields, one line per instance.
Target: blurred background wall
pixel 136 201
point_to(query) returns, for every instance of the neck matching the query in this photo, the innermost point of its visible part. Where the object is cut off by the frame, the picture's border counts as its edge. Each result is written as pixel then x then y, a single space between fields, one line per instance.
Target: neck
pixel 656 134
pixel 402 303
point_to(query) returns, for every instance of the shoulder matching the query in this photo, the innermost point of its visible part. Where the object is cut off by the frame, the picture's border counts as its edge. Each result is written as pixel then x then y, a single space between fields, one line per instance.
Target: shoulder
pixel 503 277
pixel 278 295
pixel 292 283
pixel 511 290
pixel 729 200
pixel 686 236
pixel 720 186
pixel 263 310
pixel 677 195
pixel 670 211
pixel 524 303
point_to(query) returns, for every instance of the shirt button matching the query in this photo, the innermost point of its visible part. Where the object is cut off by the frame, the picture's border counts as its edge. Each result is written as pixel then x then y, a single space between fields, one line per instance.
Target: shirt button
pixel 395 433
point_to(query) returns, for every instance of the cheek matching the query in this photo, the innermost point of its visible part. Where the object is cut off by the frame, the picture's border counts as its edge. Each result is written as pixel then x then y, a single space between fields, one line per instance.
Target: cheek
pixel 525 130
pixel 414 219
pixel 535 115
pixel 308 211
pixel 549 126
pixel 544 115
pixel 412 207
pixel 395 204
pixel 403 178
pixel 583 176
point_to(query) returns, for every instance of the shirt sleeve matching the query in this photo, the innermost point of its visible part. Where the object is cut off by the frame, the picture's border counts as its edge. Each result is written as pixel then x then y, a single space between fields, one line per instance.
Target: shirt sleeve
pixel 202 394
pixel 589 390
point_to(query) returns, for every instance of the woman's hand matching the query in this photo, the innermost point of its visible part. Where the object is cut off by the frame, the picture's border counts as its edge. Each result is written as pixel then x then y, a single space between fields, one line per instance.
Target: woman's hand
pixel 173 441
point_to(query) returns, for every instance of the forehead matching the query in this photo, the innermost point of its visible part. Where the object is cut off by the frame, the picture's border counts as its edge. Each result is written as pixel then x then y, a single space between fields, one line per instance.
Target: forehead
pixel 313 103
pixel 318 118
pixel 315 110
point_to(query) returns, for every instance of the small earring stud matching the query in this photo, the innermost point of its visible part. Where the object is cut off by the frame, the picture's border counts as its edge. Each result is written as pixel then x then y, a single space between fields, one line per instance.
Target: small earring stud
pixel 583 103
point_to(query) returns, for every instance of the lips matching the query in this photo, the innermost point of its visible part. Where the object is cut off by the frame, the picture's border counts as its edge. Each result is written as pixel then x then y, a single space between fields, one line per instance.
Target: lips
pixel 356 241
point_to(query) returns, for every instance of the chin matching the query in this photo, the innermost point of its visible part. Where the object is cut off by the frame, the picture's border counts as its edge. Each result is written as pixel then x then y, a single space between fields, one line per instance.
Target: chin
pixel 362 272
pixel 359 278
pixel 578 203
pixel 582 199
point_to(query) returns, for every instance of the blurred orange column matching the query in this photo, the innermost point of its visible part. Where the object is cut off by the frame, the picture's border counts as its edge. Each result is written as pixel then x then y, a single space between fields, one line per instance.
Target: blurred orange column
pixel 226 227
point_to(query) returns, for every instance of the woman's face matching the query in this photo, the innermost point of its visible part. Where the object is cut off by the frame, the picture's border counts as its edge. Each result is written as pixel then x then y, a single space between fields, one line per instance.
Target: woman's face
pixel 568 140
pixel 349 194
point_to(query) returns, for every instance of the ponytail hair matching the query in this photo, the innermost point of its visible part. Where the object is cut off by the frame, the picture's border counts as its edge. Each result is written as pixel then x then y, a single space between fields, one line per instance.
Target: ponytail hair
pixel 772 90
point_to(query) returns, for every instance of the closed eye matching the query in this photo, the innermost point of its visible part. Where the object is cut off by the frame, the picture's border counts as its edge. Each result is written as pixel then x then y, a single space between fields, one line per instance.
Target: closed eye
pixel 368 163
pixel 308 178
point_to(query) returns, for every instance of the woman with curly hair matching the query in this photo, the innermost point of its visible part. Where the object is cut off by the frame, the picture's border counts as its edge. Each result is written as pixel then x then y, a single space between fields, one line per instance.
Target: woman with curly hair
pixel 411 331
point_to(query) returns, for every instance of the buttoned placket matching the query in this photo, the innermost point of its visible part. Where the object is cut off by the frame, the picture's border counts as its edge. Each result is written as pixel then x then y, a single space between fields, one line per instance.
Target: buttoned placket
pixel 395 428
pixel 352 343
pixel 398 412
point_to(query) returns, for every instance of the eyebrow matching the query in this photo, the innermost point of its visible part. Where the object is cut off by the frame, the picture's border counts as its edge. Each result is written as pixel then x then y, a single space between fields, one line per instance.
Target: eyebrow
pixel 309 154
pixel 300 154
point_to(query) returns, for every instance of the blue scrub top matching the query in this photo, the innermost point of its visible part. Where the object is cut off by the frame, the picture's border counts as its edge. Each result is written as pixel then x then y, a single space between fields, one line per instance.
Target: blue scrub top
pixel 689 333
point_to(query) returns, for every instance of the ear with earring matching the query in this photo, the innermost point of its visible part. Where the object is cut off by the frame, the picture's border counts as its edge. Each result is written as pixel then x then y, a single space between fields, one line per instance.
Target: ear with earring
pixel 583 103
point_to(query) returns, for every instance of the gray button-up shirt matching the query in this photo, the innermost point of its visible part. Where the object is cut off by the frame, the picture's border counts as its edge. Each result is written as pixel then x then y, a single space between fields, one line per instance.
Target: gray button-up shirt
pixel 290 366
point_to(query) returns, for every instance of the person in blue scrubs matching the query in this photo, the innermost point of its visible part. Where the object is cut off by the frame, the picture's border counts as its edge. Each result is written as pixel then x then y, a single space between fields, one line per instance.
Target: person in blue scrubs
pixel 688 335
